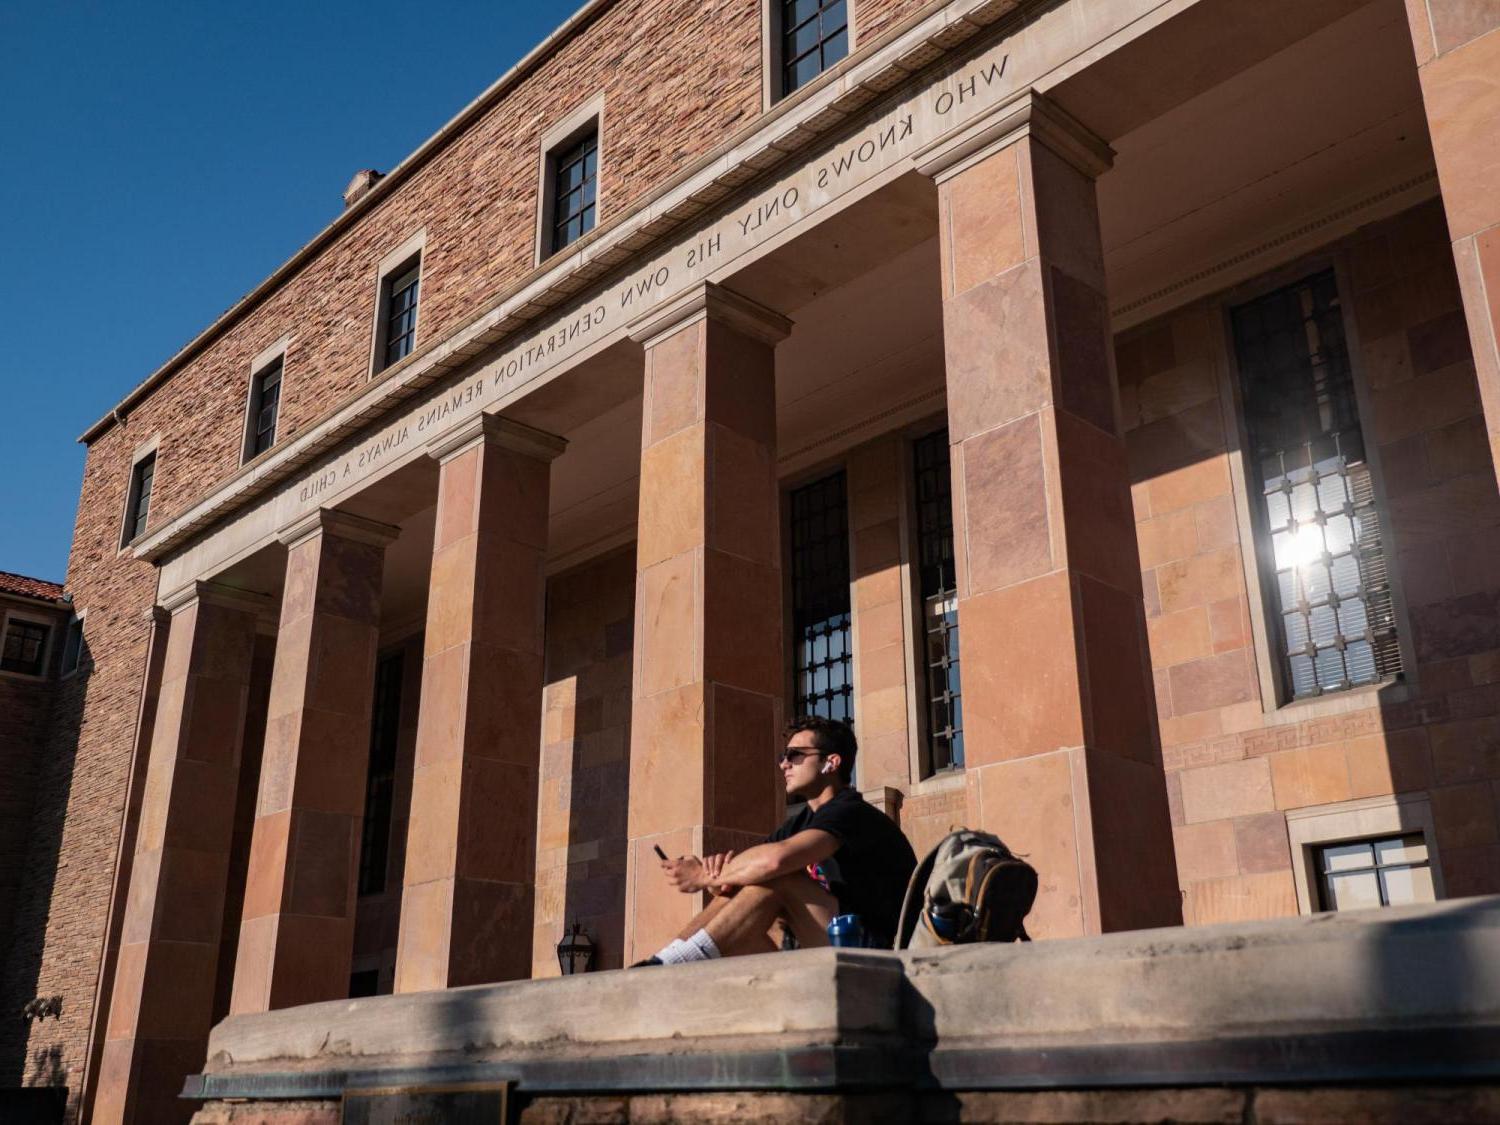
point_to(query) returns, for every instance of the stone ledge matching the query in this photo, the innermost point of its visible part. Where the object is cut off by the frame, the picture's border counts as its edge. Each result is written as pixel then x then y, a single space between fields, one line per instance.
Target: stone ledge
pixel 1409 993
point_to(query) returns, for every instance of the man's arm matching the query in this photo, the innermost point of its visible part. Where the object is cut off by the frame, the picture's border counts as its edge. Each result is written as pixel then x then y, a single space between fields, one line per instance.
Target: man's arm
pixel 759 864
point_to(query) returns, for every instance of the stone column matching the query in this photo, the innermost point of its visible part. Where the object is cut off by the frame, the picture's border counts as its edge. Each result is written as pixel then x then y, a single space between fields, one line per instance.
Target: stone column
pixel 1458 60
pixel 161 1005
pixel 1062 755
pixel 297 928
pixel 466 907
pixel 707 681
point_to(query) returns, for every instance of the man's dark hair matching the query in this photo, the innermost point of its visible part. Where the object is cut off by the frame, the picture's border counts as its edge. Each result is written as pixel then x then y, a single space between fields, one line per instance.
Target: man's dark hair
pixel 830 736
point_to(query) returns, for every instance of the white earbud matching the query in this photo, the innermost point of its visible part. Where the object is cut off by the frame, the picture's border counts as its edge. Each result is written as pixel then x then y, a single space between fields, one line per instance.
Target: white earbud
pixel 827 767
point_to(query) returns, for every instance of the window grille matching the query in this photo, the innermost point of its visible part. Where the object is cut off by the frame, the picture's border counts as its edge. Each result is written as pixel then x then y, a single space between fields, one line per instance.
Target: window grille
pixel 938 580
pixel 574 185
pixel 1385 872
pixel 265 402
pixel 814 36
pixel 822 662
pixel 138 507
pixel 1321 532
pixel 380 782
pixel 401 312
pixel 25 647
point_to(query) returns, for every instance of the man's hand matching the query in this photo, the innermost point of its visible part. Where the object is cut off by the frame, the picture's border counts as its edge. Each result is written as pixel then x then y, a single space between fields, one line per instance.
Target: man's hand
pixel 689 874
pixel 713 866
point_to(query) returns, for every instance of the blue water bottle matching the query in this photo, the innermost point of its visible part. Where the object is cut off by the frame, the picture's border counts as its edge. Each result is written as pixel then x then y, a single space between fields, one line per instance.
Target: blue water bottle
pixel 846 931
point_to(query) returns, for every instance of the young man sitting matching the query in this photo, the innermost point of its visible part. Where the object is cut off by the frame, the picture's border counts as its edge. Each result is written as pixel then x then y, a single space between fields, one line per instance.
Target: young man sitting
pixel 834 855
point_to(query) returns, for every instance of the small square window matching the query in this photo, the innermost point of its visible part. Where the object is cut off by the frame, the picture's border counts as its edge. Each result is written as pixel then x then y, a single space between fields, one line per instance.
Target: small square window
pixel 265 405
pixel 810 36
pixel 24 649
pixel 574 189
pixel 138 499
pixel 1382 871
pixel 398 312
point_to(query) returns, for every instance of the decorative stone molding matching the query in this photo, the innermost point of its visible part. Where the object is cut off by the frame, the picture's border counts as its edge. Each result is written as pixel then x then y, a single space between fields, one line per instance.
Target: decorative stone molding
pixel 495 430
pixel 341 524
pixel 1031 115
pixel 712 301
pixel 214 593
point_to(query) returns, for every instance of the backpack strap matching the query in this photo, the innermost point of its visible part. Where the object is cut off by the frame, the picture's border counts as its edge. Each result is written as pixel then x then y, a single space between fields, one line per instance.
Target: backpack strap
pixel 911 904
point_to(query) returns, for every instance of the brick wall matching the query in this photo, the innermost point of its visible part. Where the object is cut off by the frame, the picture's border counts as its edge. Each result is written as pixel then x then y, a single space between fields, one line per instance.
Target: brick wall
pixel 1235 769
pixel 585 772
pixel 80 791
pixel 25 712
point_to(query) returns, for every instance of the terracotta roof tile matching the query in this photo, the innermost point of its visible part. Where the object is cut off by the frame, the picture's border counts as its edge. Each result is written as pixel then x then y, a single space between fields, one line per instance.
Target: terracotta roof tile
pixel 29 587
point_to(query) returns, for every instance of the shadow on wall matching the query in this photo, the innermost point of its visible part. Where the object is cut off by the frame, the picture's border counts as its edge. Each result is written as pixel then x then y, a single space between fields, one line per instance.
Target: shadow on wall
pixel 45 1064
pixel 1387 300
pixel 586 755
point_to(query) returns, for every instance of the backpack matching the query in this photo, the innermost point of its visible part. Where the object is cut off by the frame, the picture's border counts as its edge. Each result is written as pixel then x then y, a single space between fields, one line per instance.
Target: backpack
pixel 969 888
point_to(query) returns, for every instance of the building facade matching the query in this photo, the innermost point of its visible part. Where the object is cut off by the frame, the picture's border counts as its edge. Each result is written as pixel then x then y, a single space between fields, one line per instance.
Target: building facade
pixel 1092 402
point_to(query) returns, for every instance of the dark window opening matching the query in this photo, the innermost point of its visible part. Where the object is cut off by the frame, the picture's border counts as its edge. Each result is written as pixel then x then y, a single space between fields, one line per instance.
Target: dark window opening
pixel 400 314
pixel 823 665
pixel 380 782
pixel 75 647
pixel 138 504
pixel 574 184
pixel 1365 873
pixel 938 581
pixel 814 36
pixel 265 402
pixel 1320 533
pixel 364 982
pixel 25 647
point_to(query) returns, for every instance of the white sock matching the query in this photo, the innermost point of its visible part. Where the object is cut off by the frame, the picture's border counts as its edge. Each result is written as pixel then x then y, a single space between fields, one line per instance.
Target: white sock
pixel 704 944
pixel 699 947
pixel 677 952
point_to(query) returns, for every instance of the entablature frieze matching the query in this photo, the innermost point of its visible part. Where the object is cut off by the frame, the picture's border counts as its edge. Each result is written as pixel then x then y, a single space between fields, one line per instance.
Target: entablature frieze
pixel 879 117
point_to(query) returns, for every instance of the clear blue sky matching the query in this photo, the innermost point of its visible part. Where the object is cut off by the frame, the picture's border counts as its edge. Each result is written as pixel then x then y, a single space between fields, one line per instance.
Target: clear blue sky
pixel 160 159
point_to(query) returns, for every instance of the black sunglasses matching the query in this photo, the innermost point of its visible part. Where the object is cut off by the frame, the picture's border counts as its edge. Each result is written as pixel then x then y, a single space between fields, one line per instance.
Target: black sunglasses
pixel 795 756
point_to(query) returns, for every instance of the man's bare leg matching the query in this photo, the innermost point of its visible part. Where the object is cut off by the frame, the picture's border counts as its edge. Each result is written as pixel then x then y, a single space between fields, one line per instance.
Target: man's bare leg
pixel 740 926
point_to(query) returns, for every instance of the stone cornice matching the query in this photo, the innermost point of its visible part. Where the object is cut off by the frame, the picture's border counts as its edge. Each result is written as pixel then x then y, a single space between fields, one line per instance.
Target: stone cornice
pixel 215 593
pixel 712 302
pixel 341 524
pixel 495 430
pixel 1031 115
pixel 788 130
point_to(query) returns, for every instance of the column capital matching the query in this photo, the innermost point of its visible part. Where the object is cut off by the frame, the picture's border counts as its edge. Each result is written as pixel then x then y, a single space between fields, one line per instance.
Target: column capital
pixel 1029 115
pixel 491 429
pixel 710 301
pixel 212 593
pixel 342 524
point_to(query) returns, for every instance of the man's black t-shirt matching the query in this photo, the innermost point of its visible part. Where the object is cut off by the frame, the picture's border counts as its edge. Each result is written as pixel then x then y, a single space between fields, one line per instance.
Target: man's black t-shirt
pixel 869 872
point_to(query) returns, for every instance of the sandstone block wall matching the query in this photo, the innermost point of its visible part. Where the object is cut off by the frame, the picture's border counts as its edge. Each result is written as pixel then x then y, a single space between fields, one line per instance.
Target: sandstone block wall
pixel 1235 768
pixel 585 776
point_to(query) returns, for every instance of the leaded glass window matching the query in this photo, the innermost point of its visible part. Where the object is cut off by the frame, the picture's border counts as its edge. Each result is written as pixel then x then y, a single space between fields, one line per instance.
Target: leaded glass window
pixel 823 664
pixel 265 403
pixel 938 579
pixel 1321 535
pixel 401 312
pixel 1366 873
pixel 380 781
pixel 25 647
pixel 574 189
pixel 814 36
